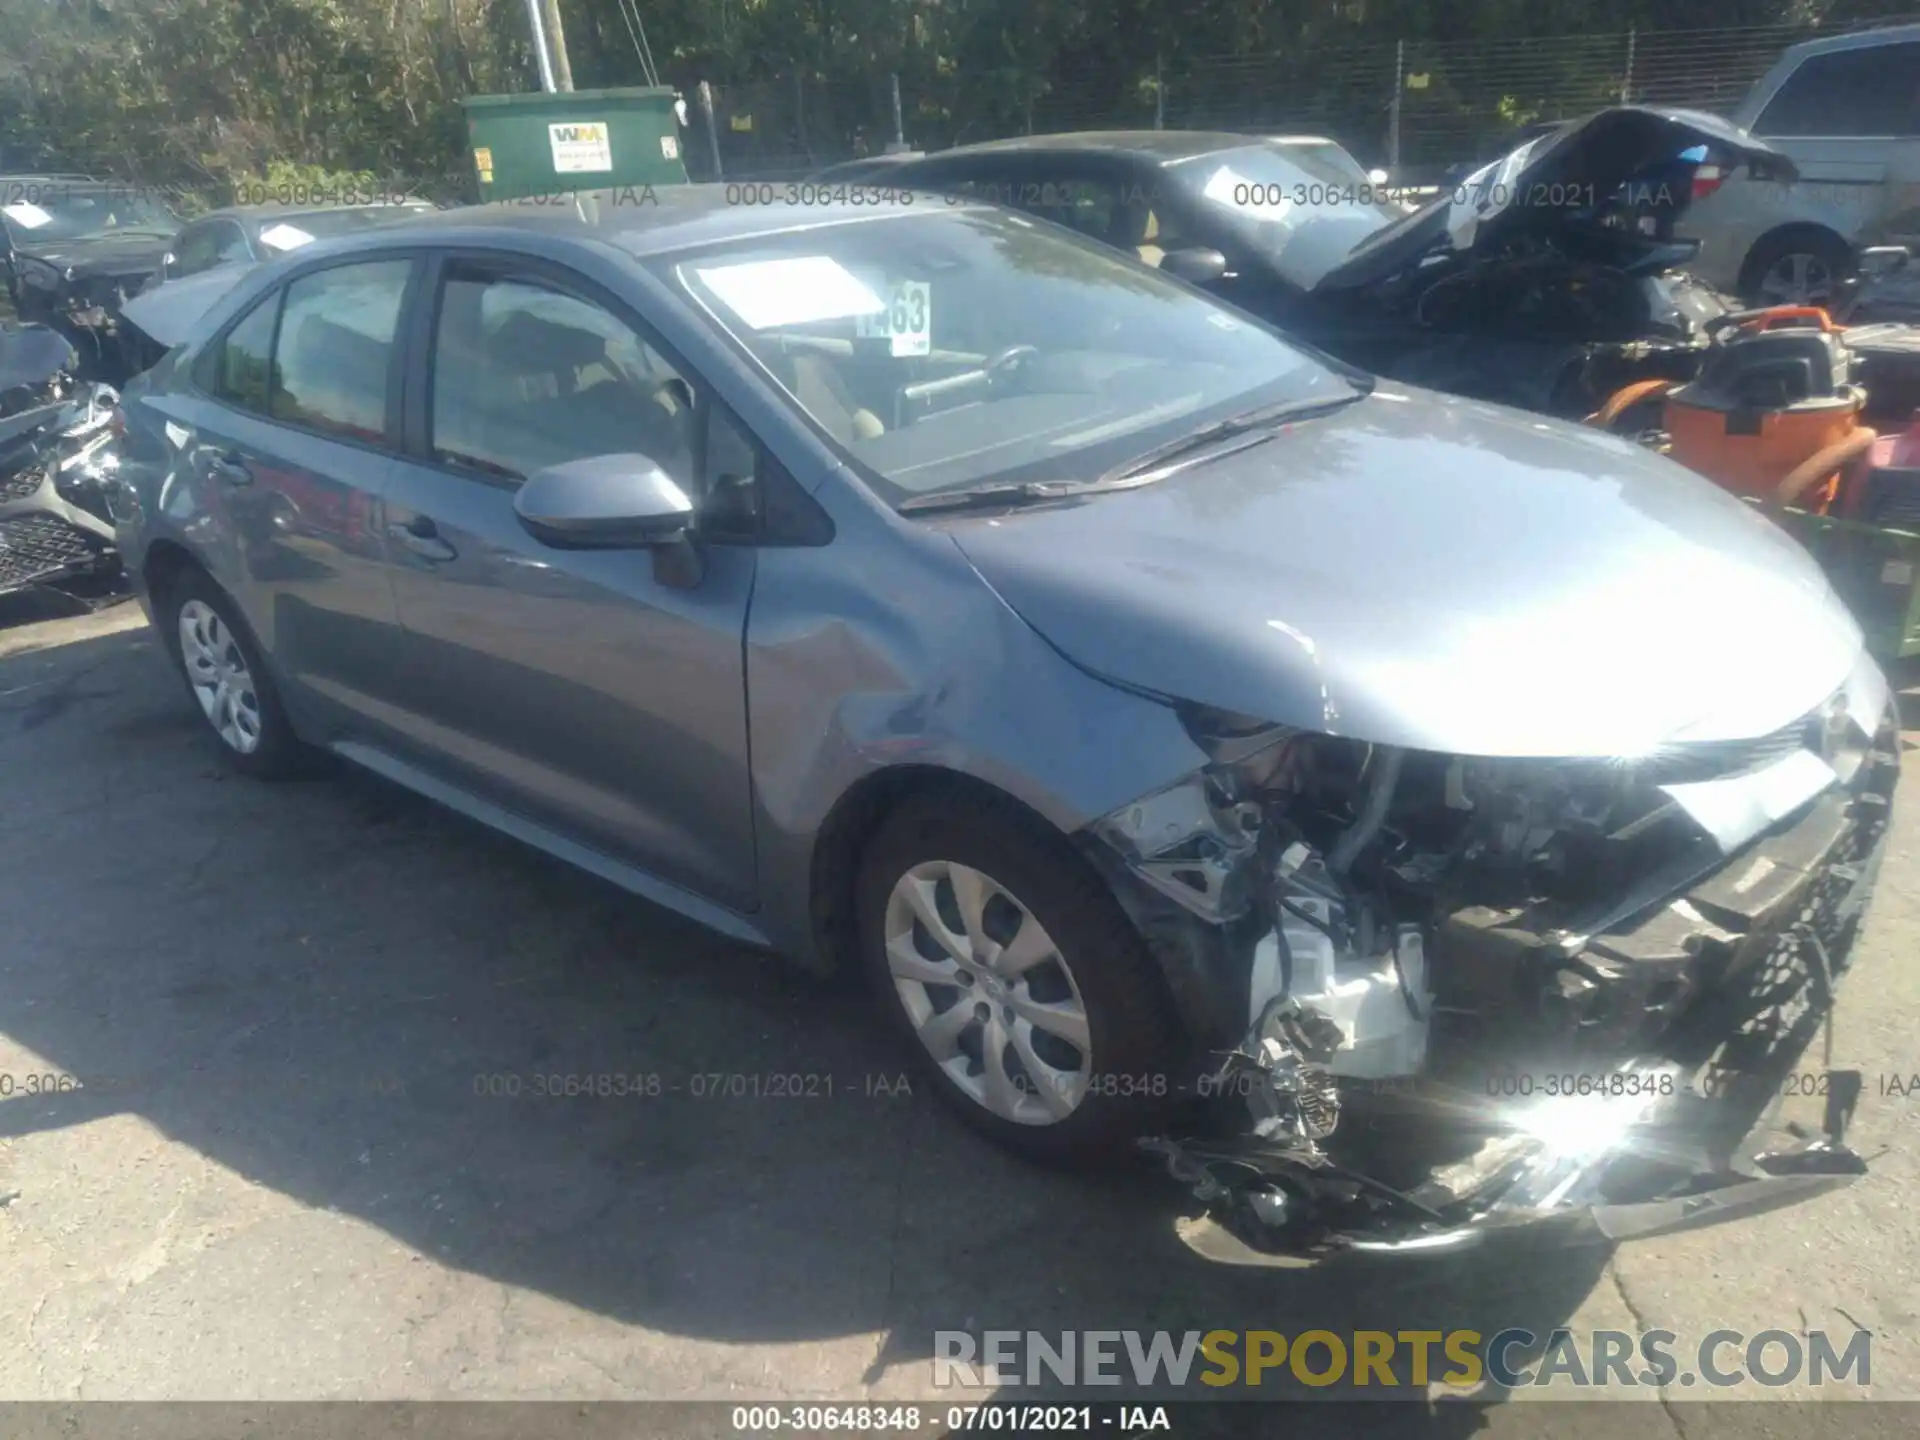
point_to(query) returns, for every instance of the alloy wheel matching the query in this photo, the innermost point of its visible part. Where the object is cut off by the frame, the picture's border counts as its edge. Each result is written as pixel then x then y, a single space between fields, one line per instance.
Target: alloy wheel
pixel 988 992
pixel 217 670
pixel 1799 278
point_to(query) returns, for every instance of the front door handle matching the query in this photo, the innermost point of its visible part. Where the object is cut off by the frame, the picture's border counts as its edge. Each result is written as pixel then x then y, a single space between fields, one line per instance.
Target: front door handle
pixel 232 469
pixel 422 537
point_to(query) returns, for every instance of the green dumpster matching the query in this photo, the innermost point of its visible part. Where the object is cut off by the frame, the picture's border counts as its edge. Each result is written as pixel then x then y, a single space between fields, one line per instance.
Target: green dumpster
pixel 549 144
pixel 1874 569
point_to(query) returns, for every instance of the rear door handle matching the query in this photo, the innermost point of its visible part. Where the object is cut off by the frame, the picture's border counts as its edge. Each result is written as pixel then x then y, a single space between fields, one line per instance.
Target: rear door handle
pixel 232 469
pixel 422 537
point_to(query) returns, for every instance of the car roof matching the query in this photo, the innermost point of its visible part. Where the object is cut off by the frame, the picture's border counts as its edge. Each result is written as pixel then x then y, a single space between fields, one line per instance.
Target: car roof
pixel 1855 40
pixel 1157 146
pixel 278 210
pixel 640 220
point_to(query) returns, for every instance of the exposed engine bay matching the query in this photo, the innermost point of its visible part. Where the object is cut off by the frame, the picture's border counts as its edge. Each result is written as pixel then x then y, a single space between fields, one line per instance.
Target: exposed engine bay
pixel 1552 320
pixel 1480 992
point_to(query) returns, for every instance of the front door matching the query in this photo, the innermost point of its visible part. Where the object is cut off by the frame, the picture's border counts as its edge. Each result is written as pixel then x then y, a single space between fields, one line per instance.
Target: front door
pixel 584 689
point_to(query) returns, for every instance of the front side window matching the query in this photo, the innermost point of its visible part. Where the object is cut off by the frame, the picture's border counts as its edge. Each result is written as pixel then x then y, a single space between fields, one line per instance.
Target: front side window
pixel 944 346
pixel 336 348
pixel 197 249
pixel 526 376
pixel 1871 91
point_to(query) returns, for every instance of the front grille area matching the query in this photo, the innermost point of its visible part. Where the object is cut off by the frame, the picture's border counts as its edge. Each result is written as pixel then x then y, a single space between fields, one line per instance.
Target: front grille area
pixel 39 547
pixel 1727 969
pixel 22 483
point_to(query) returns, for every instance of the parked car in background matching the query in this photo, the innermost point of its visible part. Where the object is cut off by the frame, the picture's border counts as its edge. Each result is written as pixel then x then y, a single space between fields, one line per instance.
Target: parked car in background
pixel 75 249
pixel 1191 737
pixel 247 234
pixel 1546 280
pixel 1846 109
pixel 211 254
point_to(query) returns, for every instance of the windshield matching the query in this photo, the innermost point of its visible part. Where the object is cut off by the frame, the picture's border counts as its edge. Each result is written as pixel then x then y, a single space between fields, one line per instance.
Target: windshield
pixel 292 231
pixel 1301 210
pixel 1322 153
pixel 946 348
pixel 58 212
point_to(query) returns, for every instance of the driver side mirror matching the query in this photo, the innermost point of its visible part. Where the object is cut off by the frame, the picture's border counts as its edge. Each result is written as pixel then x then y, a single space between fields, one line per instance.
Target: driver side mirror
pixel 1196 266
pixel 604 502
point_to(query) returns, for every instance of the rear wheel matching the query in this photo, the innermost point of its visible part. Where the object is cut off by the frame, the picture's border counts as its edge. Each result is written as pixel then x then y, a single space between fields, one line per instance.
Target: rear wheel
pixel 224 674
pixel 1015 976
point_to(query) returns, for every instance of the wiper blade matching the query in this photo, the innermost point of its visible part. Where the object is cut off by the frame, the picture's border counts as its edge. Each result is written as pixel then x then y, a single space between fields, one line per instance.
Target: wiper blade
pixel 1271 418
pixel 1150 466
pixel 988 497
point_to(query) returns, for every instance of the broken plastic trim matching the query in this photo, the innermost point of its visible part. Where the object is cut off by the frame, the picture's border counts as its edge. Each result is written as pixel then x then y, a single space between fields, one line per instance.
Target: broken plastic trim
pixel 1551 1169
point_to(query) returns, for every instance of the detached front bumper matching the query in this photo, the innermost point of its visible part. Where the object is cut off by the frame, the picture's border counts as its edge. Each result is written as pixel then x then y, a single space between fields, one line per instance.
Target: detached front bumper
pixel 1687 1135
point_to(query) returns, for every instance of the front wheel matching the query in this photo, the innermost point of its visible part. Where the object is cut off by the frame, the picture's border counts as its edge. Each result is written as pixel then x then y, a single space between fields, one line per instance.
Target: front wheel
pixel 1015 976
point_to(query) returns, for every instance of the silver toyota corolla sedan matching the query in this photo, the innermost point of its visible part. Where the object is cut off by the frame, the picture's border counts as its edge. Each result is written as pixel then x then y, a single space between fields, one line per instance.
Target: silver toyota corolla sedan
pixel 1402 816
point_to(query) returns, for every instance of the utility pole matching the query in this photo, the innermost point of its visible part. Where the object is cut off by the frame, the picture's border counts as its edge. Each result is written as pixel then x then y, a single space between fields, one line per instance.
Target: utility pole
pixel 557 39
pixel 538 26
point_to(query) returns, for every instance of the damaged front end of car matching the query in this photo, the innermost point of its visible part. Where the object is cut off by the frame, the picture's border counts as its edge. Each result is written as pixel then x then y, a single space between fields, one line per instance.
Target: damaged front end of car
pixel 1457 994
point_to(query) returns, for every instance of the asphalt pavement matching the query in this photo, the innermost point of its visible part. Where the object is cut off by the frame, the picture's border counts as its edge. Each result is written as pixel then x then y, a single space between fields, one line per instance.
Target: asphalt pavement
pixel 301 1149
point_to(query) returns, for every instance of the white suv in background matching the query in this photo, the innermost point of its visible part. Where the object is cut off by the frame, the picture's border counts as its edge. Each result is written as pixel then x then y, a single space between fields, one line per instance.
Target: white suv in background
pixel 1847 111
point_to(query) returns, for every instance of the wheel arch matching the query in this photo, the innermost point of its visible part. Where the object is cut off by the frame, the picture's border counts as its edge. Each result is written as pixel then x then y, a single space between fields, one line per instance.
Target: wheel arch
pixel 1191 960
pixel 164 562
pixel 850 825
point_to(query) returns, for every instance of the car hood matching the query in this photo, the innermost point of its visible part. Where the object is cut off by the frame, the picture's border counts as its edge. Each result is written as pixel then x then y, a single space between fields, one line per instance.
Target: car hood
pixel 1437 573
pixel 1526 188
pixel 167 313
pixel 105 255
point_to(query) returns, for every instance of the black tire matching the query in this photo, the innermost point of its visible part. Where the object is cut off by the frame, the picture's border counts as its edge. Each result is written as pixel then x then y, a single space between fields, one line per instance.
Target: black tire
pixel 279 754
pixel 1823 248
pixel 1133 1040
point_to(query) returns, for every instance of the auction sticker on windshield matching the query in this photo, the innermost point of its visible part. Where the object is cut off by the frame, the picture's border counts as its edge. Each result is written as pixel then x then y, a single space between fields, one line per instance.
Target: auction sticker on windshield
pixel 767 293
pixel 29 217
pixel 284 237
pixel 907 321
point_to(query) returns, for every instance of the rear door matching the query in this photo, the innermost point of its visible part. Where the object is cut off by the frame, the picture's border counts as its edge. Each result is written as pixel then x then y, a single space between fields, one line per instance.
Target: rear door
pixel 289 430
pixel 599 692
pixel 1850 120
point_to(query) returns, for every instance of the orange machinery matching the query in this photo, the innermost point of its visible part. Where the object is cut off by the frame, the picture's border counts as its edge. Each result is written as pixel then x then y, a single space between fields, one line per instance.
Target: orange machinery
pixel 1773 413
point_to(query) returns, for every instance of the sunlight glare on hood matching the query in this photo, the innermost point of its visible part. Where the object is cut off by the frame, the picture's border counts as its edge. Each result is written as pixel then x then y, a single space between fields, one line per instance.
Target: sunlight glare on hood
pixel 1650 652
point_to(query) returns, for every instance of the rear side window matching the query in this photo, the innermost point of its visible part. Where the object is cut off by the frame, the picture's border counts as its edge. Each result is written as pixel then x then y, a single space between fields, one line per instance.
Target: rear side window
pixel 239 370
pixel 336 348
pixel 1867 92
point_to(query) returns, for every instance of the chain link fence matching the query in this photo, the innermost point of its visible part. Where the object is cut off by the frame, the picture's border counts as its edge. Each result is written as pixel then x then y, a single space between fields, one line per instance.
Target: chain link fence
pixel 1416 108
